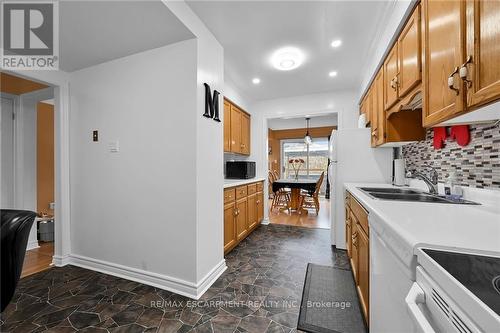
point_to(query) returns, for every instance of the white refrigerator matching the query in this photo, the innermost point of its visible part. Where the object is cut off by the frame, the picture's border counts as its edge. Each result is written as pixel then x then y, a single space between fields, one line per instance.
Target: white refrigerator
pixel 353 161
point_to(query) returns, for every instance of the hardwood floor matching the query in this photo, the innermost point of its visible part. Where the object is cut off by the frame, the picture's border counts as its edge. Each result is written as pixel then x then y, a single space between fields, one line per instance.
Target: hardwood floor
pixel 39 259
pixel 322 220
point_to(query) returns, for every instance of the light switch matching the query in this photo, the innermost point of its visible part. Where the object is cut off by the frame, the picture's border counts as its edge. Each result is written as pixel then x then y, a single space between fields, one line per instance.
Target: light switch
pixel 95 136
pixel 114 146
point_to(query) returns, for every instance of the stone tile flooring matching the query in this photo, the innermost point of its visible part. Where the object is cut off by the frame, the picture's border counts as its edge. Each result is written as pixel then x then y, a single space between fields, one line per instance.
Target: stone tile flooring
pixel 259 292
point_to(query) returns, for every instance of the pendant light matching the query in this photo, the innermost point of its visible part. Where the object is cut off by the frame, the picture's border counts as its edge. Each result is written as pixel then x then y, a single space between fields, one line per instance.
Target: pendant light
pixel 307 139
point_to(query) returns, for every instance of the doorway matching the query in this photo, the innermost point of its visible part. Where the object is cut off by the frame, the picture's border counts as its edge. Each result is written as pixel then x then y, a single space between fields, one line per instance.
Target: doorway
pixel 286 142
pixel 28 157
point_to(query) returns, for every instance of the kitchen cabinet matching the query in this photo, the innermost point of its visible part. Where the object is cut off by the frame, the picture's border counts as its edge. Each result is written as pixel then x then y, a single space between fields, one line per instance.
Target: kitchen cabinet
pixel 395 93
pixel 243 212
pixel 390 78
pixel 444 91
pixel 363 287
pixel 241 218
pixel 229 226
pixel 252 211
pixel 409 55
pixel 227 126
pixel 378 114
pixel 481 70
pixel 236 129
pixel 358 249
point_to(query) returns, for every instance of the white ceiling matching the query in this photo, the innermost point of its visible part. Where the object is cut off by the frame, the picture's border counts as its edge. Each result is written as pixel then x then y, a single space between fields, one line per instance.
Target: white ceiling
pixel 250 31
pixel 300 122
pixel 93 32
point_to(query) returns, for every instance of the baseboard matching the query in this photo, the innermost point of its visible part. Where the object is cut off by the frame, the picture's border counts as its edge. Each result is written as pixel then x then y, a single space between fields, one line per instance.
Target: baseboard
pixel 210 278
pixel 178 286
pixel 32 245
pixel 60 261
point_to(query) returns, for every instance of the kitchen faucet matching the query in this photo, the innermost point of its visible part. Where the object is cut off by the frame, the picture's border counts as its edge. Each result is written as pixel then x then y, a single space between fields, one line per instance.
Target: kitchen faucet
pixel 431 183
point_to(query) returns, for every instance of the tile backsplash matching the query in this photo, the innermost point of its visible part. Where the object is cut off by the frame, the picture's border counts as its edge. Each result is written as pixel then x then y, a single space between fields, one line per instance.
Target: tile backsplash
pixel 476 165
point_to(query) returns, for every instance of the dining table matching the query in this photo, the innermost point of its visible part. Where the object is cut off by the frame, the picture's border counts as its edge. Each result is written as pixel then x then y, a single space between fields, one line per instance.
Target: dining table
pixel 295 185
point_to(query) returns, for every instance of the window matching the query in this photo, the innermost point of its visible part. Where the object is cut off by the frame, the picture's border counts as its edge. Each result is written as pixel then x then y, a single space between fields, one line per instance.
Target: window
pixel 315 157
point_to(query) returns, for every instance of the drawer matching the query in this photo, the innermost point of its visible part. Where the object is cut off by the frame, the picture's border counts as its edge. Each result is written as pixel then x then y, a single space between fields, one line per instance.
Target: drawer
pixel 229 195
pixel 252 188
pixel 260 186
pixel 241 192
pixel 360 213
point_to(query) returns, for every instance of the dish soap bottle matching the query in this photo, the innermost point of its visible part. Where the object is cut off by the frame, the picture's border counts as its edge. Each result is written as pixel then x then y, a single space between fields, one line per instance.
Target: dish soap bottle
pixel 448 185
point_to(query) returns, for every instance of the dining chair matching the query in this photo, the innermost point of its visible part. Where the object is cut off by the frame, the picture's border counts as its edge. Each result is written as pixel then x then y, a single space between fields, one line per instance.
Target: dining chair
pixel 311 200
pixel 281 198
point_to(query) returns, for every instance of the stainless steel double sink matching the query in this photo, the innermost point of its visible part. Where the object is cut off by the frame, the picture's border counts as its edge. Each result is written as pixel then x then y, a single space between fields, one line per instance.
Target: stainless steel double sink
pixel 406 194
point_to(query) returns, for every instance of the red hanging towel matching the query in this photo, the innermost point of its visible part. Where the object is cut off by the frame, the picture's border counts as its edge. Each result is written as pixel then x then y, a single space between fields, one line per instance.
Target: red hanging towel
pixel 461 134
pixel 439 137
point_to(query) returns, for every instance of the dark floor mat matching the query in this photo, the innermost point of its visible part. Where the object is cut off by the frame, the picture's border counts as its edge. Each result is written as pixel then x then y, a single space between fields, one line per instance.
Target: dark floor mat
pixel 329 302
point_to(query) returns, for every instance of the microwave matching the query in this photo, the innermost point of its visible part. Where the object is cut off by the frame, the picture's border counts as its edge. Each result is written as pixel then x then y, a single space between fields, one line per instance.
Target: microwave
pixel 240 169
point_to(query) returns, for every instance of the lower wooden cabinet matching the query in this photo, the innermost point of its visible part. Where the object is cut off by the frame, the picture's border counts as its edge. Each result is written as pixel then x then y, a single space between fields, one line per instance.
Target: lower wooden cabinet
pixel 358 250
pixel 243 212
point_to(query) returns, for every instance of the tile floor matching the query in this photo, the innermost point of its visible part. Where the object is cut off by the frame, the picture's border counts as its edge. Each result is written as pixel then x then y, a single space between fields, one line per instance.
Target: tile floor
pixel 259 292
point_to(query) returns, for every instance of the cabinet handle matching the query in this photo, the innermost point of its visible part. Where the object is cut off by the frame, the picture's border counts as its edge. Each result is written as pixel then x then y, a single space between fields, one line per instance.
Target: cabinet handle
pixel 374 133
pixel 451 81
pixel 393 84
pixel 464 71
pixel 257 202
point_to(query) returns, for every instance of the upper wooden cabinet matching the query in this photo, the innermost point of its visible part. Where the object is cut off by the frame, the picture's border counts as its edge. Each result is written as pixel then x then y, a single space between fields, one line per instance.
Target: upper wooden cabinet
pixel 443 32
pixel 481 68
pixel 227 126
pixel 390 78
pixel 409 55
pixel 236 129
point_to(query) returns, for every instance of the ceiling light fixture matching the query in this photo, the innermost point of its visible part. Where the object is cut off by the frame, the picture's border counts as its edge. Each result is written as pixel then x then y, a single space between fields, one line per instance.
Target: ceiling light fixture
pixel 307 139
pixel 256 80
pixel 287 58
pixel 336 43
pixel 332 74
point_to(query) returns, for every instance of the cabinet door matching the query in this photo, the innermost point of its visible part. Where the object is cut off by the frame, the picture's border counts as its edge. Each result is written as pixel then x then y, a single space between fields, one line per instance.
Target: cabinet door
pixel 229 226
pixel 390 78
pixel 379 107
pixel 260 206
pixel 235 129
pixel 409 55
pixel 354 247
pixel 483 52
pixel 252 211
pixel 227 126
pixel 348 231
pixel 363 269
pixel 245 134
pixel 443 32
pixel 374 113
pixel 241 218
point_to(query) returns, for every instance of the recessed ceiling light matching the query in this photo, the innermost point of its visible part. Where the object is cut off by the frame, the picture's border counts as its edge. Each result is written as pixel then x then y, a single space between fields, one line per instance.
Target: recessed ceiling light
pixel 336 43
pixel 287 58
pixel 256 80
pixel 332 74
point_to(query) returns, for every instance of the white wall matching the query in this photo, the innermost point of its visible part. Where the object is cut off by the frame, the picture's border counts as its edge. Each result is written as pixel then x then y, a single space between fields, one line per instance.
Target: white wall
pixel 134 208
pixel 290 123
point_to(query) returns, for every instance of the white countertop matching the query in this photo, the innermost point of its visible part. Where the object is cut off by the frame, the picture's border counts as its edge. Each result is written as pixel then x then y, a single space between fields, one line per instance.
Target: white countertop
pixel 239 182
pixel 415 224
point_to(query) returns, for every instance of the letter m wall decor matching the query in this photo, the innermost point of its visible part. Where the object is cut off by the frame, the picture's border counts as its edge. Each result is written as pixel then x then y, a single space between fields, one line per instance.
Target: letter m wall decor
pixel 211 104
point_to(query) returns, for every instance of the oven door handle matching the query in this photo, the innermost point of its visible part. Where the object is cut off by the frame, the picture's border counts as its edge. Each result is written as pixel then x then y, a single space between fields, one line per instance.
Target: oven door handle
pixel 417 296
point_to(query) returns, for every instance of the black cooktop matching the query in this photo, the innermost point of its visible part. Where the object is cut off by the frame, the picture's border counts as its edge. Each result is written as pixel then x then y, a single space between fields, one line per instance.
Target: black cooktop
pixel 479 274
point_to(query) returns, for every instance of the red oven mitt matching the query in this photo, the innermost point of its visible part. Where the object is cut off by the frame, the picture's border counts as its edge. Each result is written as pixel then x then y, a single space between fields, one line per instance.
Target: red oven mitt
pixel 460 134
pixel 439 137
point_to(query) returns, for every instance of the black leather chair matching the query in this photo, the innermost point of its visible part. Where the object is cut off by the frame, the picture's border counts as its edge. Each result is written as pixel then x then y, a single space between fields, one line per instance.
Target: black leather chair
pixel 14 231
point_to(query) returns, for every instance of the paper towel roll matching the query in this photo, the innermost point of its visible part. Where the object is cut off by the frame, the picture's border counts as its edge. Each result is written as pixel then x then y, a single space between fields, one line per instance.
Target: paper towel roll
pixel 399 172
